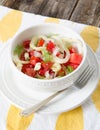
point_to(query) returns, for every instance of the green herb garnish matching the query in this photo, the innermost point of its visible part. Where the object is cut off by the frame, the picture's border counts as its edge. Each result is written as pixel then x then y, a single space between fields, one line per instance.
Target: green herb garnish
pixel 70 69
pixel 46 55
pixel 18 49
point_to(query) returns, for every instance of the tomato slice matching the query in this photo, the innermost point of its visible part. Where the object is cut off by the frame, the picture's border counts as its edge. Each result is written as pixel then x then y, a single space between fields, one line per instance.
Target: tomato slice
pixel 50 46
pixel 28 69
pixel 34 60
pixel 30 72
pixel 42 72
pixel 25 66
pixel 75 58
pixel 26 44
pixel 47 65
pixel 40 43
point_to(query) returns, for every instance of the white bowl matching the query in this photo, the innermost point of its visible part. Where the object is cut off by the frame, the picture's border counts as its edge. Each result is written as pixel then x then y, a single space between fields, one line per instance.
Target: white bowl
pixel 51 85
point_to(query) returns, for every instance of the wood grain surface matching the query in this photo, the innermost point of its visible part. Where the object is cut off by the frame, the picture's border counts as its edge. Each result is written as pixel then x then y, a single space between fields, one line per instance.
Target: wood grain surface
pixel 82 11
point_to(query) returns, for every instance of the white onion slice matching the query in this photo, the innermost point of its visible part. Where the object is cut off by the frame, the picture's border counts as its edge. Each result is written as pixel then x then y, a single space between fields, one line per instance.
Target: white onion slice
pixel 34 41
pixel 64 60
pixel 59 43
pixel 55 51
pixel 63 48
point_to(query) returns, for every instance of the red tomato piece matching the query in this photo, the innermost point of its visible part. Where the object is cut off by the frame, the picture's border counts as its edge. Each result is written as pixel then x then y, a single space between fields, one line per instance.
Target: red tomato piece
pixel 40 43
pixel 34 60
pixel 52 73
pixel 50 46
pixel 47 65
pixel 74 66
pixel 22 57
pixel 26 44
pixel 42 72
pixel 30 72
pixel 66 64
pixel 73 50
pixel 31 53
pixel 58 54
pixel 61 55
pixel 25 66
pixel 75 58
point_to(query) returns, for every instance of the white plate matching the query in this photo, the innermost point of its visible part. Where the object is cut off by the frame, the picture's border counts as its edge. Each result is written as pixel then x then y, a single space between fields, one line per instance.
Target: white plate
pixel 25 98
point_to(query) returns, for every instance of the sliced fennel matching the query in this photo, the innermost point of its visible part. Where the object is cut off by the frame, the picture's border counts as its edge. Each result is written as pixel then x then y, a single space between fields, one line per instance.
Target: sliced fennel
pixel 75 42
pixel 19 66
pixel 17 60
pixel 63 48
pixel 56 67
pixel 34 42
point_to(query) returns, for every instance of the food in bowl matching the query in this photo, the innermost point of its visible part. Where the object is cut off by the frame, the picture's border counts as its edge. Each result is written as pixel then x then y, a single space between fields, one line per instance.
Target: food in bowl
pixel 48 56
pixel 43 83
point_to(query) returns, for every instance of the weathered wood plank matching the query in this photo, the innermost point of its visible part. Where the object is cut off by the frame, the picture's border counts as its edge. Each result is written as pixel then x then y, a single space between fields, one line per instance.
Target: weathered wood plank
pixel 32 6
pixel 96 19
pixel 59 8
pixel 87 12
pixel 53 8
pixel 82 11
pixel 7 3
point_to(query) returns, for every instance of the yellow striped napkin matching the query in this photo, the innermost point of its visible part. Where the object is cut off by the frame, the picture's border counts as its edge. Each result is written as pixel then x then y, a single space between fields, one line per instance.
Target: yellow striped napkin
pixel 85 117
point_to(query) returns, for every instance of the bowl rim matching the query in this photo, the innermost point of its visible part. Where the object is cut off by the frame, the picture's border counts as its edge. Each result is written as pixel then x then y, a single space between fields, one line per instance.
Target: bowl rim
pixel 54 79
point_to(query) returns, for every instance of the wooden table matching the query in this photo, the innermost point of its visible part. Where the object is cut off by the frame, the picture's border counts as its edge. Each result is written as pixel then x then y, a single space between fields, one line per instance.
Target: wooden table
pixel 82 11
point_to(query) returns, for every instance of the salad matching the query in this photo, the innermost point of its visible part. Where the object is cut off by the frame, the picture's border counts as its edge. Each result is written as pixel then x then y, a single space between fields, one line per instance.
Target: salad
pixel 48 56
